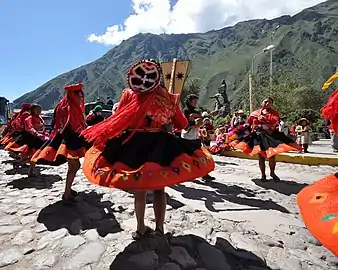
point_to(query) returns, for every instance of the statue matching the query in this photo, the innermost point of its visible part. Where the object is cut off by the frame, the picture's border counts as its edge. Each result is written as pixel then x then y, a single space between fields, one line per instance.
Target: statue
pixel 221 108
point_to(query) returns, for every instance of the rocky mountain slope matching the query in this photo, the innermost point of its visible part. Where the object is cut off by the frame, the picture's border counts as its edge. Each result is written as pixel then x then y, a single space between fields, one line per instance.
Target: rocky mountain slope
pixel 306 50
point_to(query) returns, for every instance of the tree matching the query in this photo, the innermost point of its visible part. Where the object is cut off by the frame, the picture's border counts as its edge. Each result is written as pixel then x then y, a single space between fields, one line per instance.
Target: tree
pixel 292 100
pixel 192 87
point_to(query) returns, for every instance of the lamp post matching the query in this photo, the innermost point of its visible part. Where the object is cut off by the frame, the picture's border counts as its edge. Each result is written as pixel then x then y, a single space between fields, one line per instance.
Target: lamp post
pixel 265 50
pixel 271 42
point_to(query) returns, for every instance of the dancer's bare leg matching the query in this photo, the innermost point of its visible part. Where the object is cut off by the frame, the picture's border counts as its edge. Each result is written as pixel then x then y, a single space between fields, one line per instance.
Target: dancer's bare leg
pixel 20 162
pixel 140 199
pixel 31 169
pixel 73 166
pixel 160 203
pixel 261 163
pixel 272 165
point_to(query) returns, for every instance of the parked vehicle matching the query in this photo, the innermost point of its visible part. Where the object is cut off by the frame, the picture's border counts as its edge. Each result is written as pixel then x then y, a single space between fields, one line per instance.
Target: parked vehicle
pixel 4 113
pixel 47 117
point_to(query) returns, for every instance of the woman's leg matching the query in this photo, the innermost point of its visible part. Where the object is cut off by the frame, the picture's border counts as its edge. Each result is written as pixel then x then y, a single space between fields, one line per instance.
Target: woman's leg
pixel 305 147
pixel 73 166
pixel 140 199
pixel 31 169
pixel 160 203
pixel 272 165
pixel 261 163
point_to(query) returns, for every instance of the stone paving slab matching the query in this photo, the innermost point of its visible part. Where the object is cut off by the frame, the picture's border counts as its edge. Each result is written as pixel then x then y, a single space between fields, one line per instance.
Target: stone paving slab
pixel 233 223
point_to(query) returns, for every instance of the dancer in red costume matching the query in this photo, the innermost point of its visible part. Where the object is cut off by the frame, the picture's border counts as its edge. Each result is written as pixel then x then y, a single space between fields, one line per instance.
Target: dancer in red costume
pixel 133 151
pixel 8 127
pixel 318 203
pixel 265 140
pixel 32 137
pixel 17 124
pixel 65 144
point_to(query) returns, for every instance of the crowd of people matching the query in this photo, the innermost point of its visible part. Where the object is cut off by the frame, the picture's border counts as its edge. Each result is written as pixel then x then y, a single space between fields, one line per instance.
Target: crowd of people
pixel 148 143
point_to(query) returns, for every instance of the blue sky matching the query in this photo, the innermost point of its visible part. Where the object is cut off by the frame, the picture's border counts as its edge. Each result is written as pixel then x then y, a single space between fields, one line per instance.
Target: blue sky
pixel 41 39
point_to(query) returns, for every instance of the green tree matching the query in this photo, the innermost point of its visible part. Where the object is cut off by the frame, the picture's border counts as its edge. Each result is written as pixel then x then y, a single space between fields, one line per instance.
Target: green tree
pixel 292 99
pixel 193 86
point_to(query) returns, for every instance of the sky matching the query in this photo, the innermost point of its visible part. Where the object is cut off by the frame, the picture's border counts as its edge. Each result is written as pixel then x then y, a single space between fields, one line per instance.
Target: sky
pixel 42 39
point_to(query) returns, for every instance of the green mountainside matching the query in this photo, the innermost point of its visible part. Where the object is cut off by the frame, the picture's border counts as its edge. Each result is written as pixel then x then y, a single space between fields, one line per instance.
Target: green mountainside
pixel 306 51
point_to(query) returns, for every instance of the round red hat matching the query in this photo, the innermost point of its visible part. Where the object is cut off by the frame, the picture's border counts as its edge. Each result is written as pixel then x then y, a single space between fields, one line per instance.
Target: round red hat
pixel 144 76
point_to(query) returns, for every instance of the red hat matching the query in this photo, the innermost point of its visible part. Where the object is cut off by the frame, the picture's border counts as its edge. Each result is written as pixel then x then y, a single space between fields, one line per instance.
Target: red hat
pixel 73 87
pixel 144 76
pixel 25 106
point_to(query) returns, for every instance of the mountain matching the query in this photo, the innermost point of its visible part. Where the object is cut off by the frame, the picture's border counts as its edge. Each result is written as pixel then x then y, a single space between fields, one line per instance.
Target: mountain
pixel 306 51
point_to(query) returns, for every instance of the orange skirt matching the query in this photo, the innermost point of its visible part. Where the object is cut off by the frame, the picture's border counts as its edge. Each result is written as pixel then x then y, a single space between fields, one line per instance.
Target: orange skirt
pixel 148 161
pixel 266 144
pixel 318 204
pixel 61 148
pixel 220 149
pixel 9 137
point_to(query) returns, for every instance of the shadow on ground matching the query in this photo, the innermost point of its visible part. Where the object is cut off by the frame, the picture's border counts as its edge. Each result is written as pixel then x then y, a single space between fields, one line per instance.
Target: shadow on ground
pixel 222 193
pixel 223 163
pixel 22 170
pixel 38 182
pixel 284 187
pixel 175 204
pixel 185 252
pixel 88 212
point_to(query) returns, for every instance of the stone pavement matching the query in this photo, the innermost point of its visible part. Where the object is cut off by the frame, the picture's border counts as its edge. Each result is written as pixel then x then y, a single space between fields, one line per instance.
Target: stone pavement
pixel 233 223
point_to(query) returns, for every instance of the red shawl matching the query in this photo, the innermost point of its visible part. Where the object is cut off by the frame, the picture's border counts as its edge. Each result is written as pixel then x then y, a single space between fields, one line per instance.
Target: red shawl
pixel 17 121
pixel 271 116
pixel 35 125
pixel 330 111
pixel 71 109
pixel 130 113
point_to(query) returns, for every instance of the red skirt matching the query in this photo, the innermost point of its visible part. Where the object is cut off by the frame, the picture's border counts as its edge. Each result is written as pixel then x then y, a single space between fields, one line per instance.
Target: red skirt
pixel 318 204
pixel 148 161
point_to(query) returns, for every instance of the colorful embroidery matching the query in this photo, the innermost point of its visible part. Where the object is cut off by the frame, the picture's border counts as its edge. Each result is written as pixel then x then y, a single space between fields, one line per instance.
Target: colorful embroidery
pixel 150 173
pixel 335 228
pixel 114 172
pixel 196 163
pixel 329 217
pixel 125 176
pixel 164 174
pixel 137 175
pixel 319 198
pixel 186 166
pixel 97 171
pixel 204 161
pixel 176 170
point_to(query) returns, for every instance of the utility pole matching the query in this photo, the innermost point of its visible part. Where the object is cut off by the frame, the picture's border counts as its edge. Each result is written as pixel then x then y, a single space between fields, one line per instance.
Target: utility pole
pixel 271 67
pixel 271 64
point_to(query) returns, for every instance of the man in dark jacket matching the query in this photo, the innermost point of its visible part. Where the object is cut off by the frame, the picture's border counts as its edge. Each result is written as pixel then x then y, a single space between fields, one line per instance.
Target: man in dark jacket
pixel 95 116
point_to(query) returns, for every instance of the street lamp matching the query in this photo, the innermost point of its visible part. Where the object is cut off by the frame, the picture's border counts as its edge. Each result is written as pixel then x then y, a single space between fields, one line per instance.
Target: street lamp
pixel 271 42
pixel 265 50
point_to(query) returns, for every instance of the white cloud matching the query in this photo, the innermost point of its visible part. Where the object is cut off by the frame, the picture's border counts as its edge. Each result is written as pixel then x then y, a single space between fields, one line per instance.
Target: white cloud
pixel 191 16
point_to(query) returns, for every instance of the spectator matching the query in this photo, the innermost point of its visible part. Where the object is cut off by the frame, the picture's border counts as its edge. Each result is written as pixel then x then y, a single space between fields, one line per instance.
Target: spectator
pixel 95 116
